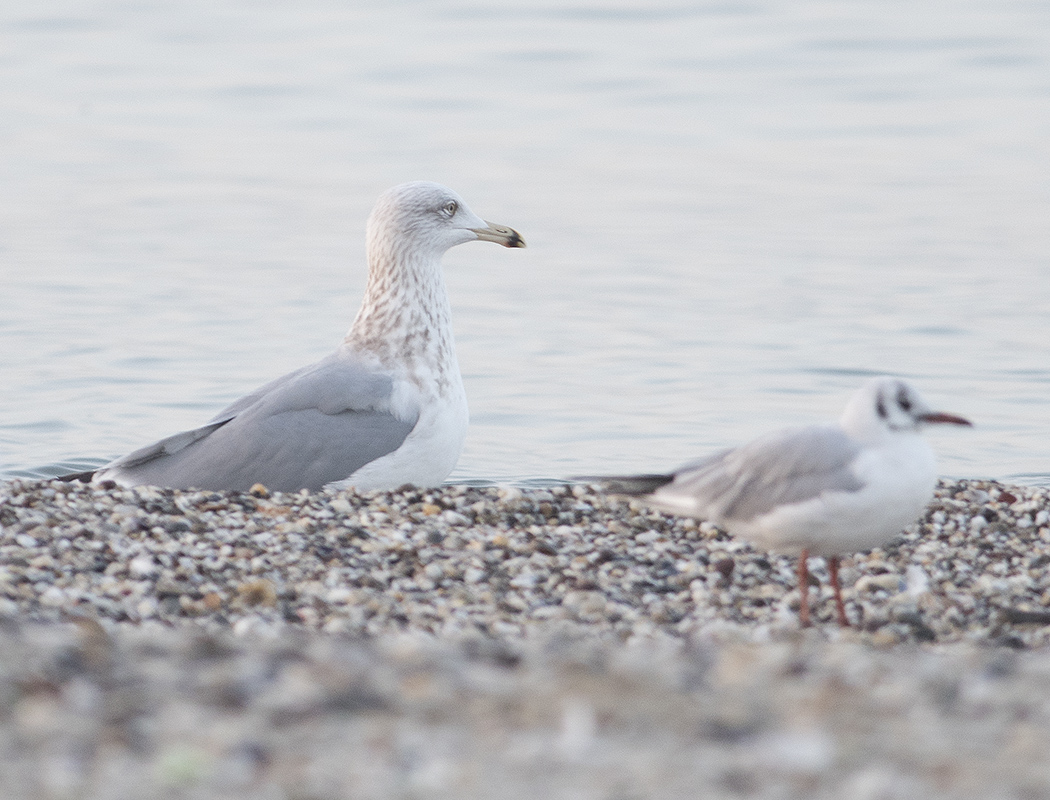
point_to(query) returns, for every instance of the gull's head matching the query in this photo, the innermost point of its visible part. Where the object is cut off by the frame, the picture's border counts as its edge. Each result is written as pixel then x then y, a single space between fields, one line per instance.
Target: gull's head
pixel 891 405
pixel 427 219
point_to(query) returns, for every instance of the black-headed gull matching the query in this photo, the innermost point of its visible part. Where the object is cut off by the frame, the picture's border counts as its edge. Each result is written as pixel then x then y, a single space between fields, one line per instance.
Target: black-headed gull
pixel 821 490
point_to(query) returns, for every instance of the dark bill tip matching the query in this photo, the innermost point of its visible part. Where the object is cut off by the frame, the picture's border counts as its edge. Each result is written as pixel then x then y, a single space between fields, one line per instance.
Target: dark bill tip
pixel 500 234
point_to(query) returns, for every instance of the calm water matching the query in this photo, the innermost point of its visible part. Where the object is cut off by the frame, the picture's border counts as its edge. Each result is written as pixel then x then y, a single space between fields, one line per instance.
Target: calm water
pixel 735 211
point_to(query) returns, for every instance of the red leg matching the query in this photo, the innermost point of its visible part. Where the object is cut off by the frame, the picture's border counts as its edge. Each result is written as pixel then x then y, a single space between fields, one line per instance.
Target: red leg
pixel 833 569
pixel 803 588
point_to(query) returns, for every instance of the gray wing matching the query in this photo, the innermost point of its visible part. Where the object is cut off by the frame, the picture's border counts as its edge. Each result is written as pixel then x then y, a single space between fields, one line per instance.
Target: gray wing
pixel 306 429
pixel 782 468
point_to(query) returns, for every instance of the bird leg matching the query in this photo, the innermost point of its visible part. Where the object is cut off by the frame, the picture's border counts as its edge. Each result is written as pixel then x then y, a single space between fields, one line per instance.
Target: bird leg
pixel 803 589
pixel 833 570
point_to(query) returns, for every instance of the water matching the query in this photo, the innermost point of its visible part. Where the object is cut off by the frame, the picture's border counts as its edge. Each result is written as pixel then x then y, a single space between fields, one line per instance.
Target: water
pixel 735 211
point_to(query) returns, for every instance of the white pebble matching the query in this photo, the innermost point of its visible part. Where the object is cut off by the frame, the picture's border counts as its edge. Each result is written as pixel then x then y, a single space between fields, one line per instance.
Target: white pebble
pixel 53 596
pixel 142 567
pixel 454 518
pixel 526 580
pixel 339 595
pixel 916 582
pixel 509 494
pixel 473 575
pixel 341 505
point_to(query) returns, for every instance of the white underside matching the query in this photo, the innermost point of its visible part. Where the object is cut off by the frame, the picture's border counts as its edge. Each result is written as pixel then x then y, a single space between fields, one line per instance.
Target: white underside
pixel 427 456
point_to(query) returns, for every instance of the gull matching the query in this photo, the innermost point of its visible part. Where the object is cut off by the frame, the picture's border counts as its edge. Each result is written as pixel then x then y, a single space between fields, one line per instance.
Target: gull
pixel 387 408
pixel 821 490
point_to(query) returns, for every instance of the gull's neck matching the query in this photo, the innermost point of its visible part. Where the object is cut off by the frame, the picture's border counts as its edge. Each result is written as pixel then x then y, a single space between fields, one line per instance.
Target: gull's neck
pixel 870 431
pixel 405 320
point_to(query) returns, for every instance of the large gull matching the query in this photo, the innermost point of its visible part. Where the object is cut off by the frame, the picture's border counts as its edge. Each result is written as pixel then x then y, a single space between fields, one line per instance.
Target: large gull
pixel 821 490
pixel 385 409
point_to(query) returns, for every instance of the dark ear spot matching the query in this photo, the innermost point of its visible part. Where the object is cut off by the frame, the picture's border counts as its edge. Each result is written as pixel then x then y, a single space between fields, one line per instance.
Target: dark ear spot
pixel 902 398
pixel 880 408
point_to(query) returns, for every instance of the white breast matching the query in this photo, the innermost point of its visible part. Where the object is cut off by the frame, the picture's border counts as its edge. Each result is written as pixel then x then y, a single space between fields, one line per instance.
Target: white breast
pixel 430 452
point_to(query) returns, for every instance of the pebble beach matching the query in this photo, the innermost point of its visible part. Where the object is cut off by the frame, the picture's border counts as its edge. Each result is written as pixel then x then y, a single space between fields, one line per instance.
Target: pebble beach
pixel 510 642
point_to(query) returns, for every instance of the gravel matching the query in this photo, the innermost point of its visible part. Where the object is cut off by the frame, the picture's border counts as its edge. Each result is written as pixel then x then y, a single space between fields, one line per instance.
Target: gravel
pixel 482 642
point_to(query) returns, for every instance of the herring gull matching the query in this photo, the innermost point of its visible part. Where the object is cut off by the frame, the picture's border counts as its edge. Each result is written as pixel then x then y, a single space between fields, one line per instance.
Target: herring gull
pixel 385 409
pixel 822 490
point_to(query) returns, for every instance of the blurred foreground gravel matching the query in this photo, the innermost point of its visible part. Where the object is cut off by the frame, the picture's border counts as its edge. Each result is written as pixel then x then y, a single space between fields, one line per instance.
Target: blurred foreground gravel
pixel 508 643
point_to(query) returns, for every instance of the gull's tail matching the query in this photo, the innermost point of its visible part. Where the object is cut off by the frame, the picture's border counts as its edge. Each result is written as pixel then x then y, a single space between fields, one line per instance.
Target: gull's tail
pixel 633 485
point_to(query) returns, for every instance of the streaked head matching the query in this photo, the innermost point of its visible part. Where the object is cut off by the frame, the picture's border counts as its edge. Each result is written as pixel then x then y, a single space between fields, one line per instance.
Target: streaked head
pixel 427 218
pixel 891 404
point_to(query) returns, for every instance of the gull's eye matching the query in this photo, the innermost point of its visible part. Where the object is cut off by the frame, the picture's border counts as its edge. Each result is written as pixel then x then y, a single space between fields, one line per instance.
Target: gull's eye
pixel 450 208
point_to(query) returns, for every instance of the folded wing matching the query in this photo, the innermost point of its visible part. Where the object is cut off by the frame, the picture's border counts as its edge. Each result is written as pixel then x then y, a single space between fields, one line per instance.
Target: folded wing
pixel 306 429
pixel 783 468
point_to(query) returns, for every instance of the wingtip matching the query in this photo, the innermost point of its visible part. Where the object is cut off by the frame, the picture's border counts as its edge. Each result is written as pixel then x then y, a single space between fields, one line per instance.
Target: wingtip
pixel 83 477
pixel 632 485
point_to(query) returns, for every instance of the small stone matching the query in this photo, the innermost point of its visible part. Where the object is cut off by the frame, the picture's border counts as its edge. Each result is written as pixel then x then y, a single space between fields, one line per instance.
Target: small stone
pixel 53 596
pixel 259 592
pixel 474 575
pixel 725 567
pixel 454 518
pixel 888 582
pixel 142 567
